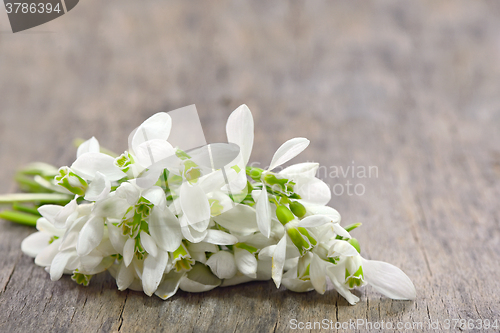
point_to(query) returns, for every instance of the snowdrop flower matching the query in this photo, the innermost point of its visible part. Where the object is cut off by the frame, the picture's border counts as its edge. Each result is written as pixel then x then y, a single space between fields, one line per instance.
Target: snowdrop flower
pixel 239 129
pixel 311 189
pixel 162 219
pixel 39 241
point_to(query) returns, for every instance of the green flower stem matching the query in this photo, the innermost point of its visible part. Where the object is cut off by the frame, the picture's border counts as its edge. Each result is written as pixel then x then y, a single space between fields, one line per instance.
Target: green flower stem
pixel 44 170
pixel 247 247
pixel 26 209
pixel 19 217
pixel 28 184
pixel 44 198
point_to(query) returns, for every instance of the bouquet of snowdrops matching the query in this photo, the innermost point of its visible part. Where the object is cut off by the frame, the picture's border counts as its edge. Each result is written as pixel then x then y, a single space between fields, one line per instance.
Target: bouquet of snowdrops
pixel 165 216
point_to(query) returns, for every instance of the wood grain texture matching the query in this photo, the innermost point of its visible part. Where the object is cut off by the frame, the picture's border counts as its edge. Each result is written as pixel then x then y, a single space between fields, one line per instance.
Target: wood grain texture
pixel 409 87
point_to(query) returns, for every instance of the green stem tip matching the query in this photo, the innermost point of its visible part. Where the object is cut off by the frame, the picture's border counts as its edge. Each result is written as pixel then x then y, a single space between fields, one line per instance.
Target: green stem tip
pixel 19 217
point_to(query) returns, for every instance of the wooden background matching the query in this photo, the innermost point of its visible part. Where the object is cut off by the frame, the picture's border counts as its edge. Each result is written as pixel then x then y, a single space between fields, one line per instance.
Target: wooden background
pixel 411 87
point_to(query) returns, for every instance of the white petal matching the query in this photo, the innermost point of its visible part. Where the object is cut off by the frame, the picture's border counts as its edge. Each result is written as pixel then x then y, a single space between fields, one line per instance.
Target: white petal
pixel 99 188
pixel 89 146
pixel 165 229
pixel 105 248
pixel 314 191
pixel 302 170
pixel 288 150
pixel 128 251
pixel 136 285
pixel 191 286
pixel 239 129
pixel 297 285
pixel 153 272
pixel 292 251
pixel 35 243
pixel 88 263
pixel 293 283
pixel 315 221
pixel 340 287
pixel 59 264
pixel 45 257
pixel 155 195
pixel 90 236
pixel 219 237
pixel 192 235
pixel 148 243
pixel 237 279
pixel 104 265
pixel 246 262
pixel 339 230
pixel 112 207
pixel 317 274
pixel 153 151
pixel 241 219
pixel 128 191
pixel 279 257
pixel 222 264
pixel 157 126
pixel 169 286
pixel 341 248
pixel 257 240
pixel 202 247
pixel 195 206
pixel 58 215
pixel 42 224
pixel 88 164
pixel 116 237
pixel 267 252
pixel 388 280
pixel 264 268
pixel 125 277
pixel 263 209
pixel 69 241
pixel 50 212
pixel 199 279
pixel 322 210
pixel 138 266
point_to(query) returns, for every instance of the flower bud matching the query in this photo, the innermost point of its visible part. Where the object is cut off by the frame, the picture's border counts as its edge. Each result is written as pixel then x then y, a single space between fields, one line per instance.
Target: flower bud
pixel 254 173
pixel 297 209
pixel 71 181
pixel 298 239
pixel 284 214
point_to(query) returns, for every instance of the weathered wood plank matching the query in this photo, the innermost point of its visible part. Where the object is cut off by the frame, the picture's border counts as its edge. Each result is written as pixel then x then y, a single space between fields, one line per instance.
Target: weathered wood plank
pixel 411 88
